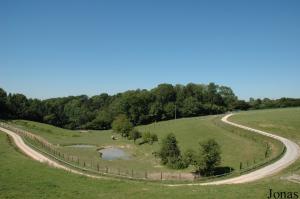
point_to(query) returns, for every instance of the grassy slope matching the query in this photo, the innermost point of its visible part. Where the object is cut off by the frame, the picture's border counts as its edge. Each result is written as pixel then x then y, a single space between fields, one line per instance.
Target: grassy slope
pixel 188 132
pixel 21 177
pixel 284 122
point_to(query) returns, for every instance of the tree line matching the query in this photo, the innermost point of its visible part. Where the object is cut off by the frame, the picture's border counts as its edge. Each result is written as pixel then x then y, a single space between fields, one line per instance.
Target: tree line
pixel 141 106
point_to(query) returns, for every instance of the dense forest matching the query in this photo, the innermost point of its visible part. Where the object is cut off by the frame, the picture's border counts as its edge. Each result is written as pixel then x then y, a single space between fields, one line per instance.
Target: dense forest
pixel 140 106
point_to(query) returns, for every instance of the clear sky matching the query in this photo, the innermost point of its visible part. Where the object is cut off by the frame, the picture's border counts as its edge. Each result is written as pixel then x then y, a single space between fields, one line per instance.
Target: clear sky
pixel 60 48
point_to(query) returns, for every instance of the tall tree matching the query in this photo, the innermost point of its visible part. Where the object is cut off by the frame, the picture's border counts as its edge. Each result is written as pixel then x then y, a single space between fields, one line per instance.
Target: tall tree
pixel 122 125
pixel 169 151
pixel 17 105
pixel 191 107
pixel 3 99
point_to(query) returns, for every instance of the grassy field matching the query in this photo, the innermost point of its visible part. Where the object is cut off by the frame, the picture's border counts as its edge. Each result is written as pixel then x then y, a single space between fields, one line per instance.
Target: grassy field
pixel 284 122
pixel 189 132
pixel 23 178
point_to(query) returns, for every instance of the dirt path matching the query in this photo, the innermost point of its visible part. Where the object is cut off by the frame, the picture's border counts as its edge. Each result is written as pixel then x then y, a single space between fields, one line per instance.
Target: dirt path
pixel 38 156
pixel 291 155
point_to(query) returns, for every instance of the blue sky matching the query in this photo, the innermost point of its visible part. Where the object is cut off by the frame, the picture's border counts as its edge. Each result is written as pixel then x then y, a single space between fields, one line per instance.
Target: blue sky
pixel 60 48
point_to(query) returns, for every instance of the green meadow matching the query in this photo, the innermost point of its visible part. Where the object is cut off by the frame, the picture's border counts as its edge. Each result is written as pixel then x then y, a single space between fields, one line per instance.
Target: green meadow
pixel 284 122
pixel 189 132
pixel 21 177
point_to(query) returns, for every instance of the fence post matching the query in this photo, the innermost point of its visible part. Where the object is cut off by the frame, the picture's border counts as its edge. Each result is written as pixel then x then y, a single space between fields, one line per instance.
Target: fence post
pixel 132 173
pixel 161 175
pixel 106 169
pixel 241 165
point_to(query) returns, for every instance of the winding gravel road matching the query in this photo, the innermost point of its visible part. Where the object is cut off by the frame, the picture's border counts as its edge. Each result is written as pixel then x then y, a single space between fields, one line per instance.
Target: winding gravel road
pixel 38 156
pixel 291 155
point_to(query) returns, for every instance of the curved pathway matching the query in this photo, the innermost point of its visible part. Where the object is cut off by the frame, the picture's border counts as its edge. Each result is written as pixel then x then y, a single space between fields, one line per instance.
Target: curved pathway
pixel 38 156
pixel 291 155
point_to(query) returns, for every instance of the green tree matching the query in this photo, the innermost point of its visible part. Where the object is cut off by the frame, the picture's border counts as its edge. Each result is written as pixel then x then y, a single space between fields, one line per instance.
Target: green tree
pixel 77 112
pixel 34 111
pixel 164 93
pixel 228 96
pixel 156 111
pixel 169 152
pixel 241 105
pixel 99 101
pixel 3 108
pixel 17 104
pixel 209 157
pixel 191 107
pixel 122 125
pixel 169 110
pixel 102 121
pixel 134 135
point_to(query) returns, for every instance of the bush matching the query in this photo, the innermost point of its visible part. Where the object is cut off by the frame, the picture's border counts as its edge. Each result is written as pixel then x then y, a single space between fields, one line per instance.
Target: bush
pixel 154 137
pixel 149 138
pixel 189 157
pixel 176 163
pixel 134 135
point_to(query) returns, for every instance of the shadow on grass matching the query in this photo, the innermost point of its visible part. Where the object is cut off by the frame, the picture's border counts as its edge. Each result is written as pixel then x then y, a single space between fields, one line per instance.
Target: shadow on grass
pixel 222 170
pixel 218 171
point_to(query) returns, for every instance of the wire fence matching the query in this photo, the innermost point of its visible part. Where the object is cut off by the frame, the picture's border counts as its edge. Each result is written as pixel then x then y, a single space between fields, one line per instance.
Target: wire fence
pixel 257 162
pixel 42 145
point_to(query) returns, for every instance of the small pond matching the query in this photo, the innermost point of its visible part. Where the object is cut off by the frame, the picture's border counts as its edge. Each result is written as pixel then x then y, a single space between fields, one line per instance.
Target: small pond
pixel 113 153
pixel 81 146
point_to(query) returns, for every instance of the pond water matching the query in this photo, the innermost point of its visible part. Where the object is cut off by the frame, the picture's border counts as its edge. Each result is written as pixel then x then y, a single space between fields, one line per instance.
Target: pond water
pixel 81 146
pixel 113 154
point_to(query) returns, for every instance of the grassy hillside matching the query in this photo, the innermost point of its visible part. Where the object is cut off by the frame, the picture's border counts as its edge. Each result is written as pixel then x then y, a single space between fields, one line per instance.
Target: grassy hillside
pixel 22 178
pixel 284 122
pixel 189 132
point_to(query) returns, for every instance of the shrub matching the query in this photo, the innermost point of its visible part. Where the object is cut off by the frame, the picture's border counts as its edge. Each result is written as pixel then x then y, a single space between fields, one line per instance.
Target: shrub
pixel 134 135
pixel 149 137
pixel 189 157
